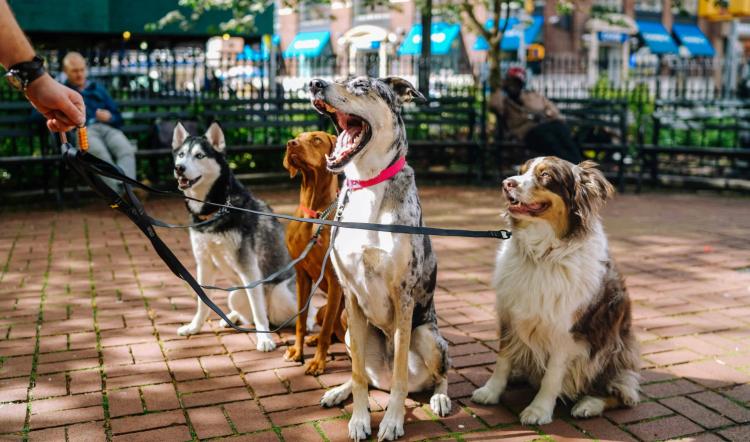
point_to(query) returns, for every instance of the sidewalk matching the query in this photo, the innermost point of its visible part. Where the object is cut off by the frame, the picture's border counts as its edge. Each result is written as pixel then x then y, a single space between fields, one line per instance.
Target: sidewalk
pixel 89 351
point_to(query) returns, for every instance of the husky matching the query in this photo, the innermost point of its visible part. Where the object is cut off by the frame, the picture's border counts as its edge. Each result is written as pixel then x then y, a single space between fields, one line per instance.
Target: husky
pixel 247 247
pixel 388 279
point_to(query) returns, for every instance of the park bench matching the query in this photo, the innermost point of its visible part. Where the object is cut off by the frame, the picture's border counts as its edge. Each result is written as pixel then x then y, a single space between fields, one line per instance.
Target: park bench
pixel 697 138
pixel 257 131
pixel 598 126
pixel 443 138
pixel 141 119
pixel 25 143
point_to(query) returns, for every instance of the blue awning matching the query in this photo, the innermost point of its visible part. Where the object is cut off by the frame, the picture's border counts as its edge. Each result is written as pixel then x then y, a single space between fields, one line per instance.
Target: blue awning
pixel 692 38
pixel 308 44
pixel 262 54
pixel 442 36
pixel 512 37
pixel 657 38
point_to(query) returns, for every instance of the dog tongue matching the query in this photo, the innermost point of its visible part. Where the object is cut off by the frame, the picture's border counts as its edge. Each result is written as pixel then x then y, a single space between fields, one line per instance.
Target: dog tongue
pixel 535 206
pixel 342 119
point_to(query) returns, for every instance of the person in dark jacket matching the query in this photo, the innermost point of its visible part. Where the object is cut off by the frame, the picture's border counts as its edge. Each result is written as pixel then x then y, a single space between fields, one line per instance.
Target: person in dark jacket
pixel 533 119
pixel 103 119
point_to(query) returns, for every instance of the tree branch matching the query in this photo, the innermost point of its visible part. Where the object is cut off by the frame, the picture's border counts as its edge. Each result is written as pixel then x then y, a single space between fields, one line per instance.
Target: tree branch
pixel 499 34
pixel 496 10
pixel 473 22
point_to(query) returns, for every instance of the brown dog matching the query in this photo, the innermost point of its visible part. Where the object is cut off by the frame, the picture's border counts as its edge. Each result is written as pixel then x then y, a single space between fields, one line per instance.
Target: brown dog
pixel 307 154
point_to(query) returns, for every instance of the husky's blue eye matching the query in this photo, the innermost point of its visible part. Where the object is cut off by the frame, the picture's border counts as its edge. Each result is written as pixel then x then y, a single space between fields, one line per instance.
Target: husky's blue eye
pixel 199 156
pixel 181 154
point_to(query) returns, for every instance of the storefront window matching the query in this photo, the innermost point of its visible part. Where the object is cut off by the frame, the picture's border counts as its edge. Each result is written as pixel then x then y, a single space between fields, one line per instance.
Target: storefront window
pixel 687 7
pixel 366 10
pixel 311 11
pixel 607 5
pixel 648 5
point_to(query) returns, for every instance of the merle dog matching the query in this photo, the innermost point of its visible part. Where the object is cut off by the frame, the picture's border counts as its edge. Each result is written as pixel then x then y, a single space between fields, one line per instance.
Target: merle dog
pixel 388 279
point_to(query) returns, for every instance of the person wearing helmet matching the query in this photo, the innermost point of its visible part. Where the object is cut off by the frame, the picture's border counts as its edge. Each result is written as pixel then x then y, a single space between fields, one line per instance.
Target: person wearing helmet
pixel 533 119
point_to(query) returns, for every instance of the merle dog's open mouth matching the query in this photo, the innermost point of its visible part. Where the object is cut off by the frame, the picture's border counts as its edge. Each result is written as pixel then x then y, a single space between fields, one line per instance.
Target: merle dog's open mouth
pixel 184 183
pixel 353 134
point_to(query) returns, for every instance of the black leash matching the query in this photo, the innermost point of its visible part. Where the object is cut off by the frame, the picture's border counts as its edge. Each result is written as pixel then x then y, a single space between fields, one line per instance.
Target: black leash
pixel 272 277
pixel 90 168
pixel 104 168
pixel 129 205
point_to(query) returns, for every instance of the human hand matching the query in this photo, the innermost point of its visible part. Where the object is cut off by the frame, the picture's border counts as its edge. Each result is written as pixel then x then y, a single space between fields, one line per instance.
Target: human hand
pixel 62 106
pixel 103 115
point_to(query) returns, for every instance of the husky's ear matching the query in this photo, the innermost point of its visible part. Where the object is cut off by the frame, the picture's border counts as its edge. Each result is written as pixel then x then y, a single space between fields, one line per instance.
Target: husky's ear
pixel 404 90
pixel 179 136
pixel 215 136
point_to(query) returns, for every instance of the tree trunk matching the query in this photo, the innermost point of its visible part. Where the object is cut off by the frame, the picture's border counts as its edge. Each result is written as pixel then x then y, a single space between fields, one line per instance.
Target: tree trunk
pixel 493 61
pixel 423 82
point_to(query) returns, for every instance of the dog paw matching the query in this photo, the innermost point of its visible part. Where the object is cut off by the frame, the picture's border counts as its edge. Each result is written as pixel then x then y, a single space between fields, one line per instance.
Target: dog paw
pixel 440 404
pixel 189 329
pixel 293 354
pixel 312 340
pixel 315 367
pixel 486 395
pixel 359 426
pixel 335 395
pixel 588 406
pixel 265 343
pixel 536 415
pixel 391 427
pixel 233 316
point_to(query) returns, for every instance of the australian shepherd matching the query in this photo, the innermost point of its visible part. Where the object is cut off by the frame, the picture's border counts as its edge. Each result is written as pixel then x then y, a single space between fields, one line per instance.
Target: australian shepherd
pixel 563 310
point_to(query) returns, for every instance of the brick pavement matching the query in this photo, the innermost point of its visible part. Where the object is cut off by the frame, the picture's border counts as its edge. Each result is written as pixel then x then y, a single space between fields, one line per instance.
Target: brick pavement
pixel 88 349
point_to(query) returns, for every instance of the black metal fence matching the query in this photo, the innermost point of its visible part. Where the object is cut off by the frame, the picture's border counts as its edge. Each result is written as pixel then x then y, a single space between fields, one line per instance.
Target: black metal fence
pixel 665 117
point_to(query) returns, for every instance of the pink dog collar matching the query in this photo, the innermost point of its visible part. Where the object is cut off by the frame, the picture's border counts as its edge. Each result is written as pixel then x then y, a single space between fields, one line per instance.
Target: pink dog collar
pixel 387 173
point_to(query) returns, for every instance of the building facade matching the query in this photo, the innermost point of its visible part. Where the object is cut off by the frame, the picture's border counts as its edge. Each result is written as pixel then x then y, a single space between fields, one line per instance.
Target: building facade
pixel 602 32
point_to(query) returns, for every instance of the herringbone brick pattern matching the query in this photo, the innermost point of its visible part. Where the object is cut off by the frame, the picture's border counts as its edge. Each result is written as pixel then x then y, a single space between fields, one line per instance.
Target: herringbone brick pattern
pixel 88 348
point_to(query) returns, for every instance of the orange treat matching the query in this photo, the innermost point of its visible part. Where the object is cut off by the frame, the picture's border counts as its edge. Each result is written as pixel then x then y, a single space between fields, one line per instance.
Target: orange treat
pixel 83 139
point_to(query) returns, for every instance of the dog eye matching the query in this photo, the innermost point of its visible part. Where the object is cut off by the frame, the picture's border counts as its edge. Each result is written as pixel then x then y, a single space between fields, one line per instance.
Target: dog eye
pixel 199 156
pixel 181 154
pixel 545 175
pixel 316 140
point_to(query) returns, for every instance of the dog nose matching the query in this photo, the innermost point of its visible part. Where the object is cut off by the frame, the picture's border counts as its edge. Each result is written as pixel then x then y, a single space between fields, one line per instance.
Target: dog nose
pixel 180 169
pixel 292 143
pixel 509 183
pixel 317 84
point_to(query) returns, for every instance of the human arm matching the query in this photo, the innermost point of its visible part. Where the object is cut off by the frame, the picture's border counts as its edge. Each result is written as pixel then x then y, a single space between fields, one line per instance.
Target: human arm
pixel 550 110
pixel 62 106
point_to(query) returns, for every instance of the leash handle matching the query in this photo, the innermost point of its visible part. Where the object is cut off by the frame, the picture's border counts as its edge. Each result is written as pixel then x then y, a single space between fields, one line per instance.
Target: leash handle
pixel 83 139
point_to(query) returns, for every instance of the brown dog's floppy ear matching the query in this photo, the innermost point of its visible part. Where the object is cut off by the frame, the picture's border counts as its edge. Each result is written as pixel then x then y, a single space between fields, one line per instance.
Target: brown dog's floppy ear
pixel 288 166
pixel 333 140
pixel 404 90
pixel 592 190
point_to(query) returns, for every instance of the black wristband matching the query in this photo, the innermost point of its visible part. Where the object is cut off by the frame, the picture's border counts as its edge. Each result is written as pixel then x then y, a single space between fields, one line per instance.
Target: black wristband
pixel 20 75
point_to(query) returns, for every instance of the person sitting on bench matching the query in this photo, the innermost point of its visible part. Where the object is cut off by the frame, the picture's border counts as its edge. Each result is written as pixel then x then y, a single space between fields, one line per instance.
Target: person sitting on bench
pixel 533 119
pixel 103 119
